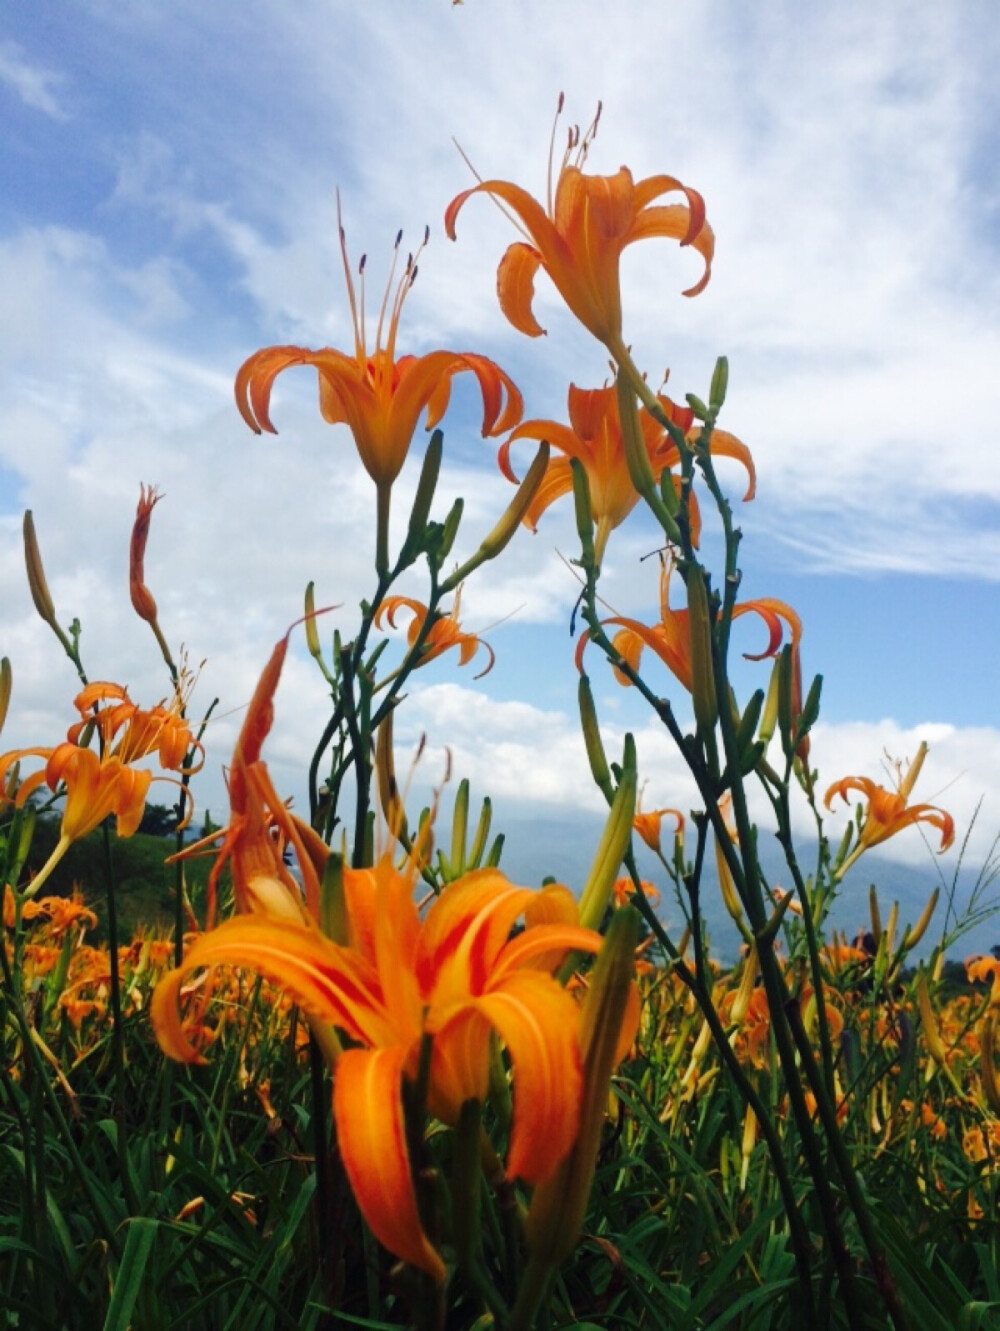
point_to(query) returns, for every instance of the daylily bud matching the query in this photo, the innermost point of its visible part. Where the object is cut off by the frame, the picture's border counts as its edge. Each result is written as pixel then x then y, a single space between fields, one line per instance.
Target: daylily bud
pixel 560 1203
pixel 913 936
pixel 592 739
pixel 876 916
pixel 706 708
pixel 640 469
pixel 422 500
pixel 450 529
pixel 142 598
pixel 987 1062
pixel 747 723
pixel 333 905
pixel 730 896
pixel 741 1003
pixel 459 828
pixel 890 928
pixel 584 518
pixel 932 1031
pixel 720 383
pixel 697 406
pixel 910 779
pixel 388 790
pixel 36 574
pixel 309 621
pixel 771 928
pixel 6 682
pixel 769 715
pixel 502 534
pixel 614 844
pixel 747 1145
pixel 786 720
pixel 482 832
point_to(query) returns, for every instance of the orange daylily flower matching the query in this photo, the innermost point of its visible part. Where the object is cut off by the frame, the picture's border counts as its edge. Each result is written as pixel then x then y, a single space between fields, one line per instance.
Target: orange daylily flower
pixel 887 811
pixel 670 639
pixel 578 238
pixel 453 975
pixel 445 632
pixel 985 968
pixel 625 888
pixel 647 823
pixel 131 732
pixel 59 913
pixel 594 438
pixel 95 788
pixel 378 396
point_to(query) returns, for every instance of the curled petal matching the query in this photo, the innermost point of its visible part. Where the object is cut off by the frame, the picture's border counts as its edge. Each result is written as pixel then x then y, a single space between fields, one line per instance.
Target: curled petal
pixel 516 287
pixel 537 1020
pixel 371 1136
pixel 330 982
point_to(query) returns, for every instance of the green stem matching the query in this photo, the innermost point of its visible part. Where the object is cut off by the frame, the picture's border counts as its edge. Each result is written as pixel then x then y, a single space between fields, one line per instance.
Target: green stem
pixel 534 1285
pixel 119 1090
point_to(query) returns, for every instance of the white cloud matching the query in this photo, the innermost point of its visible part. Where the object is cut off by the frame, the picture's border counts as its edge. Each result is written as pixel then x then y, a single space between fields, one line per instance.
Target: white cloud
pixel 855 287
pixel 34 84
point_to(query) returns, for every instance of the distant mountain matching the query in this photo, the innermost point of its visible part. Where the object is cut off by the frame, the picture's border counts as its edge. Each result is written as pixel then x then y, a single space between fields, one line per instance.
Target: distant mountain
pixel 563 845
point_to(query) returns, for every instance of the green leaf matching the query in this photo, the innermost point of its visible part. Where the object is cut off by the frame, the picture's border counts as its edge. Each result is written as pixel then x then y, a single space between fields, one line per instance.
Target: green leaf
pixel 131 1269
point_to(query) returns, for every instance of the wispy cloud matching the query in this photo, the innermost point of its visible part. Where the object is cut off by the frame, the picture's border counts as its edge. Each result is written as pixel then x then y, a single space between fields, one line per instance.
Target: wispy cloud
pixel 34 84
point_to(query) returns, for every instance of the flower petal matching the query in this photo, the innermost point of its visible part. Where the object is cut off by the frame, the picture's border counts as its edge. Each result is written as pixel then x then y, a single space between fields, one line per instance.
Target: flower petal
pixel 516 287
pixel 537 1020
pixel 330 982
pixel 371 1135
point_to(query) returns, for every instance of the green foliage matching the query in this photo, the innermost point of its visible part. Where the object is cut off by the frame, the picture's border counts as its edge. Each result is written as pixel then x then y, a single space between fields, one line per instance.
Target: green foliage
pixel 146 886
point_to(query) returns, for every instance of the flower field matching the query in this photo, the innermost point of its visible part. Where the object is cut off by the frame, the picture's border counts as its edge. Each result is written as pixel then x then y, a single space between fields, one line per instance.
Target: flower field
pixel 356 1076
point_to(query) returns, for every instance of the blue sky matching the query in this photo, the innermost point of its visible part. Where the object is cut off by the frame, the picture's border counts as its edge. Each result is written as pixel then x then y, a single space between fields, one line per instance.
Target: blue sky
pixel 167 206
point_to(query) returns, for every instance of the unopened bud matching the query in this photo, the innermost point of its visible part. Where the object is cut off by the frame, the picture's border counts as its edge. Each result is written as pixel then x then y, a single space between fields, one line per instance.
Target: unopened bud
pixel 706 708
pixel 36 574
pixel 608 1021
pixel 875 913
pixel 482 832
pixel 614 843
pixel 932 1031
pixel 741 1003
pixel 388 790
pixel 312 633
pixel 913 936
pixel 142 598
pixel 987 1062
pixel 592 739
pixel 420 512
pixel 584 516
pixel 769 716
pixel 502 534
pixel 6 683
pixel 697 406
pixel 640 469
pixel 720 383
pixel 459 828
pixel 450 529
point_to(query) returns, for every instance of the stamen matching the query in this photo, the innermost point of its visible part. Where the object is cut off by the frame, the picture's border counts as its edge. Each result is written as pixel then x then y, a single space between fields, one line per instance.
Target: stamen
pixel 590 136
pixel 359 328
pixel 385 304
pixel 552 149
pixel 512 218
